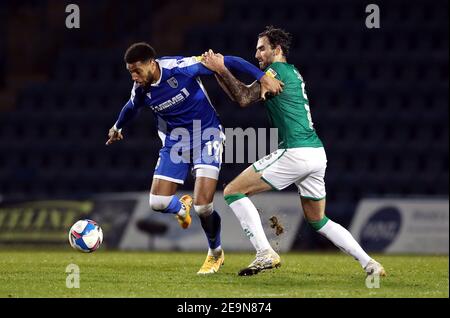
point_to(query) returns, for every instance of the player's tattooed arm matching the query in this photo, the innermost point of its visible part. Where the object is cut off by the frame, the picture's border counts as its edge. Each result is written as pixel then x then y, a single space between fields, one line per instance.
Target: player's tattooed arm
pixel 224 87
pixel 243 94
pixel 235 89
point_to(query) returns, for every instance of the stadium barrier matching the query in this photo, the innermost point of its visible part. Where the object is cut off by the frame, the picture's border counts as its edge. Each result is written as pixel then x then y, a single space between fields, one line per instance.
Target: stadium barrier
pixel 402 225
pixel 380 225
pixel 284 206
pixel 129 224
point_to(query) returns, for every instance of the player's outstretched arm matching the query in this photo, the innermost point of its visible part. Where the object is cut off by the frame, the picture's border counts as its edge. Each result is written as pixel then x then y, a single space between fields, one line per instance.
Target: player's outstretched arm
pixel 224 87
pixel 244 95
pixel 239 92
pixel 128 112
pixel 269 84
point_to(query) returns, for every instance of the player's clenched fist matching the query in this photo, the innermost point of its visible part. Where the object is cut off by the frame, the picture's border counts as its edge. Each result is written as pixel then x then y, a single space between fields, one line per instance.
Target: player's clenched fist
pixel 114 134
pixel 270 85
pixel 213 61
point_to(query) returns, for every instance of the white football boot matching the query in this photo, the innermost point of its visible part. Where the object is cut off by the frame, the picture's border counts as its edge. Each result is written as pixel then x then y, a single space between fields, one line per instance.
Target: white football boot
pixel 264 260
pixel 375 268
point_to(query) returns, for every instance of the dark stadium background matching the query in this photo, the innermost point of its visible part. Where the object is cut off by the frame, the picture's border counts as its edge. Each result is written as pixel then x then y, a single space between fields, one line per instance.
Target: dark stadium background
pixel 379 97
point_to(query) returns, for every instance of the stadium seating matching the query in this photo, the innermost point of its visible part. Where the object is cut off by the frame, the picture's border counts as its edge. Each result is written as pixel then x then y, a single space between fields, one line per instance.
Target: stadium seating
pixel 378 99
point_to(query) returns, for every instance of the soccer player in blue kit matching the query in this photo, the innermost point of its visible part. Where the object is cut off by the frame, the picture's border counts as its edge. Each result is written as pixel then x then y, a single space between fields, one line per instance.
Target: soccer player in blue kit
pixel 172 89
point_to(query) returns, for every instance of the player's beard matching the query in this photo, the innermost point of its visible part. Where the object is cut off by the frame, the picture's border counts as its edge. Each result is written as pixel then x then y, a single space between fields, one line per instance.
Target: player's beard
pixel 148 80
pixel 262 65
pixel 265 64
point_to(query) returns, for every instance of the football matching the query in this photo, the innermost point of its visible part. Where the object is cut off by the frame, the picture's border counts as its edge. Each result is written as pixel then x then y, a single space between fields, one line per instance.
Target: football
pixel 85 236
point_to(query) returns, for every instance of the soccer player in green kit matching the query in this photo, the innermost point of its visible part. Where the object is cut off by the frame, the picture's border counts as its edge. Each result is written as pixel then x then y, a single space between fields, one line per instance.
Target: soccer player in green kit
pixel 300 159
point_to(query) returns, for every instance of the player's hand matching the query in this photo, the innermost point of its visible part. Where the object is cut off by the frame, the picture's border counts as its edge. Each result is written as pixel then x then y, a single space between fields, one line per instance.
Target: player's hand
pixel 270 85
pixel 114 135
pixel 213 61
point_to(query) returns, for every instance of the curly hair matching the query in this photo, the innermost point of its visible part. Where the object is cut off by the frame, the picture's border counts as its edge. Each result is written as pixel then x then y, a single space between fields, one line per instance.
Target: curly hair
pixel 139 52
pixel 277 36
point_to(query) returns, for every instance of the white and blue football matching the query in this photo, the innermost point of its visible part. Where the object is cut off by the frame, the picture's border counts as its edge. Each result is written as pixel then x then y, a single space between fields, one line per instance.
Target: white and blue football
pixel 85 236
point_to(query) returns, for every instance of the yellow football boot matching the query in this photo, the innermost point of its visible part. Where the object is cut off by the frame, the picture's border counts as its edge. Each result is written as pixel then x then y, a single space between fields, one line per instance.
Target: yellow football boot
pixel 186 202
pixel 212 264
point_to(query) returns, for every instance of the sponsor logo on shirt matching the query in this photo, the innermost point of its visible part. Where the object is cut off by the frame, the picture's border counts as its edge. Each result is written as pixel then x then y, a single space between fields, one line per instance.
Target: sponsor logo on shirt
pixel 179 98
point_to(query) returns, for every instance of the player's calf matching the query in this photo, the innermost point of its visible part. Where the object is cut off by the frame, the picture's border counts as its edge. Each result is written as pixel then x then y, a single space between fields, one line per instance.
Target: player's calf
pixel 211 224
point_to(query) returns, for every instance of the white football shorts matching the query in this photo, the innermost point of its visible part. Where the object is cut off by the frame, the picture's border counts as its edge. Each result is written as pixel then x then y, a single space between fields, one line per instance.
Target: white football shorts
pixel 303 166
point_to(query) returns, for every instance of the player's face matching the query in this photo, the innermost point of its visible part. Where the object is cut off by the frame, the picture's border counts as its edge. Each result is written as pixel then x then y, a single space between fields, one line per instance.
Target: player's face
pixel 143 73
pixel 264 52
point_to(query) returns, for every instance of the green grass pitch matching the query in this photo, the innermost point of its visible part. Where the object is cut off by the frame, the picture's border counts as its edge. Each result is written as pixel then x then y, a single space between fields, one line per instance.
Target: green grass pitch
pixel 41 273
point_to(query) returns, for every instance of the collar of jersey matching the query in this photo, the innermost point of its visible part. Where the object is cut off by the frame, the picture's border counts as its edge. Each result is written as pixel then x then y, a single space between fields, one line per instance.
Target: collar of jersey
pixel 160 74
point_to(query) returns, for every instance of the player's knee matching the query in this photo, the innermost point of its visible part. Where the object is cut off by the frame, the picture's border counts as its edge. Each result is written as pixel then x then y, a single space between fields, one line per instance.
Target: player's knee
pixel 204 209
pixel 159 202
pixel 229 190
pixel 314 217
pixel 314 210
